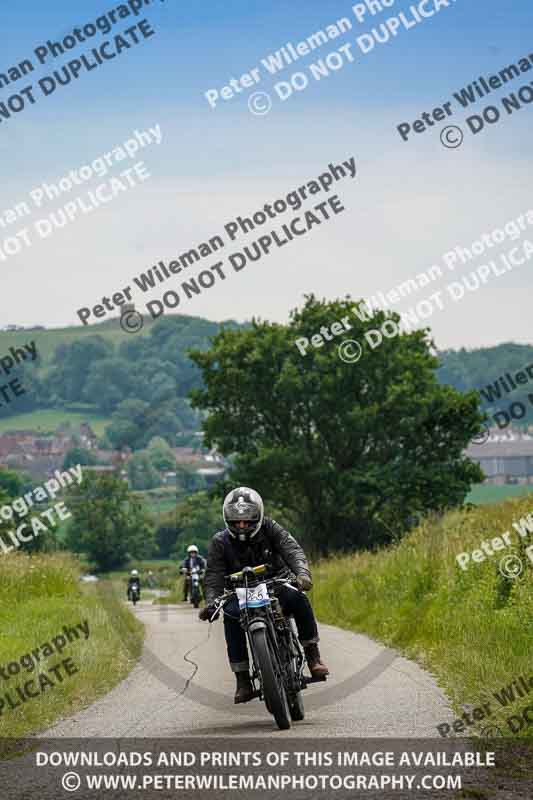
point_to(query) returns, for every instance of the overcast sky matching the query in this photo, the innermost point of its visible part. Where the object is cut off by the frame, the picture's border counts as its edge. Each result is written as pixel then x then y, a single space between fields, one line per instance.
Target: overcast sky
pixel 408 205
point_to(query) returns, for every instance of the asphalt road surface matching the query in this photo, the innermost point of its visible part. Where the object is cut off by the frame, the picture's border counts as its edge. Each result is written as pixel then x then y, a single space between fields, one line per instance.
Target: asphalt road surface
pixel 183 687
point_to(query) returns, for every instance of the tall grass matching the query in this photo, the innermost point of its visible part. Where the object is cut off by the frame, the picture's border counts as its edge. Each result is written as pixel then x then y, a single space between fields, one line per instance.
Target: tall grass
pixel 41 594
pixel 473 629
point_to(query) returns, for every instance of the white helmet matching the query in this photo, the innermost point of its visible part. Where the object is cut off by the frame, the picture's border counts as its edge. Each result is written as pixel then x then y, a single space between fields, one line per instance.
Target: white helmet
pixel 243 505
pixel 192 548
pixel 134 573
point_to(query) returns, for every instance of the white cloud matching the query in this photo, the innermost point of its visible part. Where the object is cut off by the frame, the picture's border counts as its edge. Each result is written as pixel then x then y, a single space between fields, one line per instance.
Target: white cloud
pixel 409 204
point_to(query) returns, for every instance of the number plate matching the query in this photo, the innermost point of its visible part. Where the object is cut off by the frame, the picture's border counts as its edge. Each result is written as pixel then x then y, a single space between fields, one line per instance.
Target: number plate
pixel 254 597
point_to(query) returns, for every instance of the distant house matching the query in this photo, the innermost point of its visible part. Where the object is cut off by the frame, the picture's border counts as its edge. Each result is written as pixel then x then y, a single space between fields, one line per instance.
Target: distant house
pixel 88 436
pixel 504 459
pixel 211 472
pixel 39 454
pixel 186 456
pixel 17 443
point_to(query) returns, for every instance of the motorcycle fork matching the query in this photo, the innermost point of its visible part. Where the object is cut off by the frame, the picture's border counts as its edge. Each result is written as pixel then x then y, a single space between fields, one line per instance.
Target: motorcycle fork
pixel 254 672
pixel 255 675
pixel 286 640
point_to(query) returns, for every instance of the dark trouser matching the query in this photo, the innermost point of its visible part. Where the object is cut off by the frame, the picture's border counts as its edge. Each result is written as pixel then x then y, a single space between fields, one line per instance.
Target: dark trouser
pixel 292 602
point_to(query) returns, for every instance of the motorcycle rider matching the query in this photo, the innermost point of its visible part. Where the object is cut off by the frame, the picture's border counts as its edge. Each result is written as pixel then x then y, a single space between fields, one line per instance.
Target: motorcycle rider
pixel 193 559
pixel 250 539
pixel 134 579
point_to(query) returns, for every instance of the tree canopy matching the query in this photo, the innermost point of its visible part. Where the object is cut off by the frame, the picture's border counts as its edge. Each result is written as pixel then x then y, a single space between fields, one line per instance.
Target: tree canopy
pixel 109 524
pixel 353 451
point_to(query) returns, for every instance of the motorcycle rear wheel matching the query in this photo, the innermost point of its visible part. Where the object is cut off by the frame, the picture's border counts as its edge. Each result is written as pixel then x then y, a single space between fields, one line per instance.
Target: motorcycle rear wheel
pixel 296 702
pixel 273 689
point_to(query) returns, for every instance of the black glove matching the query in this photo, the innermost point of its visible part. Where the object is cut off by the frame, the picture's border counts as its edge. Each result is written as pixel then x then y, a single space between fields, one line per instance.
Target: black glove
pixel 304 582
pixel 206 614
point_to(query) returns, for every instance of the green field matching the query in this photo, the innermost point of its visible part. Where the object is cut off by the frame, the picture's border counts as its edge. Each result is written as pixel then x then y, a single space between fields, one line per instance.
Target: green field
pixel 47 421
pixel 484 493
pixel 49 339
pixel 166 574
pixel 158 501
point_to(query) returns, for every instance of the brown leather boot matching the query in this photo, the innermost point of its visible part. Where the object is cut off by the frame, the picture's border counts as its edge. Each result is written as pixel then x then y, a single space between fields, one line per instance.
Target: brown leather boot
pixel 245 690
pixel 316 667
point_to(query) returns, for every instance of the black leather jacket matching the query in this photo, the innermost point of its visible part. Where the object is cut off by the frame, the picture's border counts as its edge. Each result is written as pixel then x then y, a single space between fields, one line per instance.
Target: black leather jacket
pixel 193 561
pixel 272 544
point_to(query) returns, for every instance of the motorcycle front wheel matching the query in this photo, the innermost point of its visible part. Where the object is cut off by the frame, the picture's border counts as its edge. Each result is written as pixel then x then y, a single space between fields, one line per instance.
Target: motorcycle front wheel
pixel 296 707
pixel 273 689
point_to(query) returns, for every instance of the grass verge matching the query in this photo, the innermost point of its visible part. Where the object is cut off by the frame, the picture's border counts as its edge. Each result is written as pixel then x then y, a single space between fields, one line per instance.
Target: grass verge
pixel 473 629
pixel 483 493
pixel 40 595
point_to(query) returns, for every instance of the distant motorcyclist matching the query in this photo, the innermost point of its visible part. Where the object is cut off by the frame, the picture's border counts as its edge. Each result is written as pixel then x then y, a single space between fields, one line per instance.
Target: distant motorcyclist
pixel 193 559
pixel 132 581
pixel 250 539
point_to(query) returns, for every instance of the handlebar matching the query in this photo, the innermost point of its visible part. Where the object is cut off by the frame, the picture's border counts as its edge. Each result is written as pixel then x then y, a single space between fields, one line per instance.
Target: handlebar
pixel 236 576
pixel 224 598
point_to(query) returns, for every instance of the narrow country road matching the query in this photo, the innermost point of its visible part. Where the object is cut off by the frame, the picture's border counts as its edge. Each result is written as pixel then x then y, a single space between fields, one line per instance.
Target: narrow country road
pixel 183 687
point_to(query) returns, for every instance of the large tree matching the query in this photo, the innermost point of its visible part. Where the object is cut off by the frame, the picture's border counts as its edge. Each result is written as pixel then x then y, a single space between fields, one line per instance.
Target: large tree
pixel 161 454
pixel 71 366
pixel 110 524
pixel 194 521
pixel 355 452
pixel 142 473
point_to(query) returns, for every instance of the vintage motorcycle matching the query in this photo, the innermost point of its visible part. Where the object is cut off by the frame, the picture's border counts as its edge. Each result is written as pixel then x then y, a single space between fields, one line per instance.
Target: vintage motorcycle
pixel 194 586
pixel 277 656
pixel 135 593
